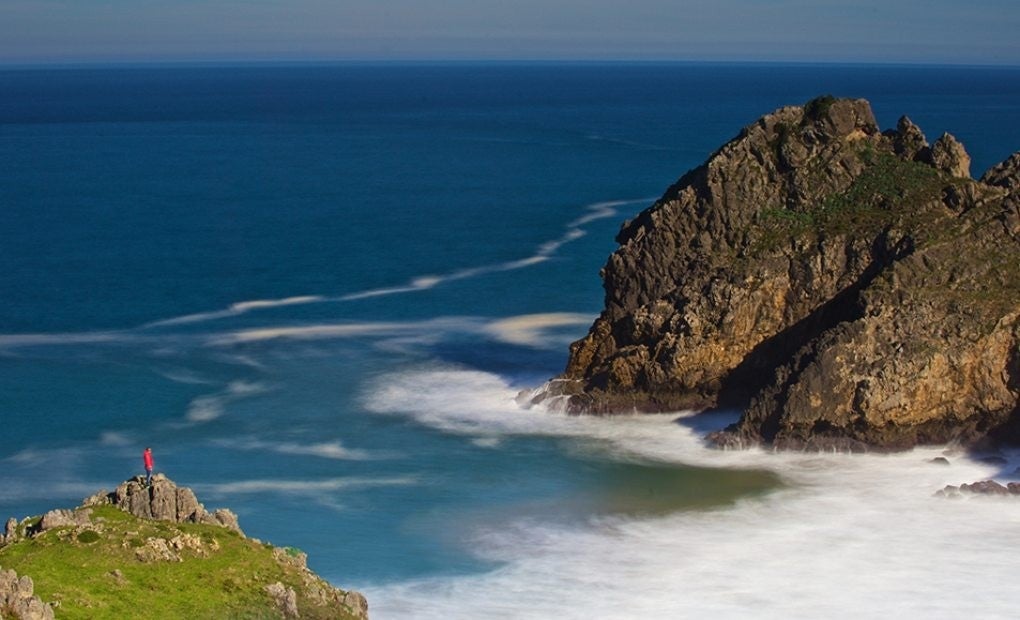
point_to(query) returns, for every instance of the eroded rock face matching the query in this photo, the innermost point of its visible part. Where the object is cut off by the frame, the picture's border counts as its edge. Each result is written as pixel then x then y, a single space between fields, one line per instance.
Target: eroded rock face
pixel 849 288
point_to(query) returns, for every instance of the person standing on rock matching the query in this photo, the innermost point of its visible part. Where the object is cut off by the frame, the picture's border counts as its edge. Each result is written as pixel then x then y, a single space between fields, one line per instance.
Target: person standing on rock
pixel 147 459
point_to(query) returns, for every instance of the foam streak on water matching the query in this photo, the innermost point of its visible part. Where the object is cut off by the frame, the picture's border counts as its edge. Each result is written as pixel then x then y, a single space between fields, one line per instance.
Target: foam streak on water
pixel 850 536
pixel 140 335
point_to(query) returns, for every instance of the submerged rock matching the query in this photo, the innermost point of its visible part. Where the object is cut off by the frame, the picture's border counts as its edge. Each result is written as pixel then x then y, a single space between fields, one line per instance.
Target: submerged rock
pixel 849 289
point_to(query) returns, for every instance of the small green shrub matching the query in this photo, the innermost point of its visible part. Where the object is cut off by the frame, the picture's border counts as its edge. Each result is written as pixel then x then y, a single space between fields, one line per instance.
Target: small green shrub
pixel 88 536
pixel 818 107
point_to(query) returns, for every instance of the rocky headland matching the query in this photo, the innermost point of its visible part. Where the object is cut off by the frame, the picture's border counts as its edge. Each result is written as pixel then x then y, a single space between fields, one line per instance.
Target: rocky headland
pixel 845 287
pixel 155 551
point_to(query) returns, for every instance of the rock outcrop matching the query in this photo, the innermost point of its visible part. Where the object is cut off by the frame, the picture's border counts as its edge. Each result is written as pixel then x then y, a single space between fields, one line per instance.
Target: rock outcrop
pixel 17 599
pixel 984 487
pixel 845 287
pixel 164 501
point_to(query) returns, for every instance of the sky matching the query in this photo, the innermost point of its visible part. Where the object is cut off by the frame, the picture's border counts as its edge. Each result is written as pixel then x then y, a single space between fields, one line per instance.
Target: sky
pixel 886 31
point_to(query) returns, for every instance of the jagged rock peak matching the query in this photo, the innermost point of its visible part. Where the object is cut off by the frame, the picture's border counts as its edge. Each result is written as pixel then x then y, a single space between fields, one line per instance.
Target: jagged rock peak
pixel 810 272
pixel 908 140
pixel 163 500
pixel 1005 174
pixel 948 155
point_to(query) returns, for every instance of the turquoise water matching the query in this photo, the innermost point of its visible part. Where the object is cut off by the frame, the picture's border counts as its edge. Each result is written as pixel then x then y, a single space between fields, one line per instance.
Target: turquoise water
pixel 314 291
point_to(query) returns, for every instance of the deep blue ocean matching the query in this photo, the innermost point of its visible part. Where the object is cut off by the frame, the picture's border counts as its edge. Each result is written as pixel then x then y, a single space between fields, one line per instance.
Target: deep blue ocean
pixel 315 290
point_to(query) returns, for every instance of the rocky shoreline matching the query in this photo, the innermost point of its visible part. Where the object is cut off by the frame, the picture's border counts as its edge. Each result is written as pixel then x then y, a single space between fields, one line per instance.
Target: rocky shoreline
pixel 846 288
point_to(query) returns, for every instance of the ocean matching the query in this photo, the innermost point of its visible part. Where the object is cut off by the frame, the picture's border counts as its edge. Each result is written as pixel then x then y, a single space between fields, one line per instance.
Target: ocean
pixel 315 290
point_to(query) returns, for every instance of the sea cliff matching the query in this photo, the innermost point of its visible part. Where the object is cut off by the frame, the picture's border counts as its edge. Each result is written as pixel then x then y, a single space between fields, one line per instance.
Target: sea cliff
pixel 153 551
pixel 843 286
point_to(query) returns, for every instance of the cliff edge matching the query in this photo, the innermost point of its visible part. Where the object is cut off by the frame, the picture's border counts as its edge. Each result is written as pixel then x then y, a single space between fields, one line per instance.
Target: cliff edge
pixel 845 287
pixel 155 552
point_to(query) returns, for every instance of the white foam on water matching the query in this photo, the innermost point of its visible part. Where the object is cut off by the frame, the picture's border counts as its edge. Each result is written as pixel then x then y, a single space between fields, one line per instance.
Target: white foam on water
pixel 334 450
pixel 849 536
pixel 116 438
pixel 306 332
pixel 544 251
pixel 302 487
pixel 530 329
pixel 573 230
pixel 184 376
pixel 237 309
pixel 21 491
pixel 211 406
pixel 11 341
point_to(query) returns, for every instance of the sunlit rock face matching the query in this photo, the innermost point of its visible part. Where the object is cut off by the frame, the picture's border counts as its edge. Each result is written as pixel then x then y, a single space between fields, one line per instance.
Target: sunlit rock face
pixel 845 287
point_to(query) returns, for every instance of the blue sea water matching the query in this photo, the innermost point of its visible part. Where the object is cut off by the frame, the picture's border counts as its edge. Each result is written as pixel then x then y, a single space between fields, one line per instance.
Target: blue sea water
pixel 315 290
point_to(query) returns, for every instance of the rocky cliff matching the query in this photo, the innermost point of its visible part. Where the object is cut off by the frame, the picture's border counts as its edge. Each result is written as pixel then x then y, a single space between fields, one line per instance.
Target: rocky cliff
pixel 154 551
pixel 842 285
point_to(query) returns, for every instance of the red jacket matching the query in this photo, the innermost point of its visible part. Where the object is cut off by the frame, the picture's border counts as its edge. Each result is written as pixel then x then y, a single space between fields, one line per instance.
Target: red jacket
pixel 147 457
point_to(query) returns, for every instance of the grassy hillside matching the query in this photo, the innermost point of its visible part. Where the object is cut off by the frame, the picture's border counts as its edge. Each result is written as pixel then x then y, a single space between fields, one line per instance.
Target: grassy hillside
pixel 121 566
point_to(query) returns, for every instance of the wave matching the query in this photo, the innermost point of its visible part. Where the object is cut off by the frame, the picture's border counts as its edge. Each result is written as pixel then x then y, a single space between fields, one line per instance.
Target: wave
pixel 848 536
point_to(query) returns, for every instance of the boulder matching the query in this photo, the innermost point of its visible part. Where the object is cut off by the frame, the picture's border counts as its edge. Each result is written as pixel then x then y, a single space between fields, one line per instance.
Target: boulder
pixel 284 598
pixel 64 518
pixel 357 603
pixel 17 598
pixel 10 531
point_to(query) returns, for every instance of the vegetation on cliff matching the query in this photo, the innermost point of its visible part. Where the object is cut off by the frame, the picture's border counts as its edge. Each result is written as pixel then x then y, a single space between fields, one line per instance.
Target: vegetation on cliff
pixel 101 561
pixel 845 287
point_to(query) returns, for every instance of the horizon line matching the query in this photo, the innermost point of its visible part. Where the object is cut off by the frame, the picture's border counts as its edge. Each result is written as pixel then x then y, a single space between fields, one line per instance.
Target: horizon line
pixel 424 62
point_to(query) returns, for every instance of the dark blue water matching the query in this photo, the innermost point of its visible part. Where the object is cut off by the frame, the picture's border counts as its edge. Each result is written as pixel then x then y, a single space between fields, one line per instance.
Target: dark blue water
pixel 424 224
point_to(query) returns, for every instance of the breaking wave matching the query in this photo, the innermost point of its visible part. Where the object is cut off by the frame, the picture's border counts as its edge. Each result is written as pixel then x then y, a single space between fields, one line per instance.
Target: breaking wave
pixel 849 536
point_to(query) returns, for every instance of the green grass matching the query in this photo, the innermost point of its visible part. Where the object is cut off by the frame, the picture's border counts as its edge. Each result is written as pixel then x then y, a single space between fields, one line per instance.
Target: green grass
pixel 889 192
pixel 74 567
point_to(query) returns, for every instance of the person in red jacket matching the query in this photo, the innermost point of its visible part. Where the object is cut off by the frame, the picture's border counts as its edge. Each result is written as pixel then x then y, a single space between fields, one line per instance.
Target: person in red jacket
pixel 147 459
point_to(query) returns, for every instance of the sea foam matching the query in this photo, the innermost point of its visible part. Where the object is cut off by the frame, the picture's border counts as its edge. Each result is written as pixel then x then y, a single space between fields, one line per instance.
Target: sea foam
pixel 849 536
